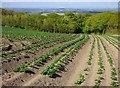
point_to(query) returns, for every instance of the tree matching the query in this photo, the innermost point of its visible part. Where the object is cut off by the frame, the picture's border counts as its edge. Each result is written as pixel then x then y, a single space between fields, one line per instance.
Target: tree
pixel 67 23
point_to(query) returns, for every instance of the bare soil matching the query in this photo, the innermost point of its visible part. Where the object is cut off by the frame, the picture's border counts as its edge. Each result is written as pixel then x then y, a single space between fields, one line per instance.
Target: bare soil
pixel 71 71
pixel 10 65
pixel 112 51
pixel 92 74
pixel 26 76
pixel 75 66
pixel 107 73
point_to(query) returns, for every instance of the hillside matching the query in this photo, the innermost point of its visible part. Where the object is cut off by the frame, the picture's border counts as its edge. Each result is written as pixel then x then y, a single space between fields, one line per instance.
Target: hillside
pixel 106 22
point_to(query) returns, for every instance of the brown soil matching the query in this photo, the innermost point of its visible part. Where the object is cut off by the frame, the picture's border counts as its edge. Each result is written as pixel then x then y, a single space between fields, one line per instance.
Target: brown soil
pixel 114 39
pixel 5 41
pixel 75 66
pixel 92 74
pixel 107 73
pixel 72 71
pixel 14 44
pixel 10 65
pixel 26 76
pixel 112 51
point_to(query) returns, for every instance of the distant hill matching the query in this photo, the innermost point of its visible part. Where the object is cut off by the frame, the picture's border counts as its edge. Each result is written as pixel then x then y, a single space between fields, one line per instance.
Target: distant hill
pixel 61 10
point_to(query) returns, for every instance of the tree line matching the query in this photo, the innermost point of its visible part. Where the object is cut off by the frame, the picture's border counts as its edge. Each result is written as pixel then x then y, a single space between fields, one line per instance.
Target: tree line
pixel 67 23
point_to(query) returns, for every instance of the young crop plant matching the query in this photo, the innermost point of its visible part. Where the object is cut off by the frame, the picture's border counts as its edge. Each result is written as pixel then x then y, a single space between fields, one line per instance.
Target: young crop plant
pixel 98 81
pixel 57 63
pixel 37 43
pixel 82 76
pixel 115 42
pixel 43 58
pixel 101 67
pixel 115 83
pixel 114 79
pixel 91 53
pixel 81 80
pixel 116 37
pixel 111 42
pixel 22 68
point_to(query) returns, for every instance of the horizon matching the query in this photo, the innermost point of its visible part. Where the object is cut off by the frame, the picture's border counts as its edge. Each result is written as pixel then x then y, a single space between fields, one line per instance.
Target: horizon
pixel 79 5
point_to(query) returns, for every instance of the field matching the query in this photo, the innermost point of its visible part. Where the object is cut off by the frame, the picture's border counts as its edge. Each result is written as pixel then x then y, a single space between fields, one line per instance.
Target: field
pixel 32 58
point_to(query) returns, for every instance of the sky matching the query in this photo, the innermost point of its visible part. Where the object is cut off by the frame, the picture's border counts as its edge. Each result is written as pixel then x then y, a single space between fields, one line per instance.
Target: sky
pixel 59 5
pixel 59 0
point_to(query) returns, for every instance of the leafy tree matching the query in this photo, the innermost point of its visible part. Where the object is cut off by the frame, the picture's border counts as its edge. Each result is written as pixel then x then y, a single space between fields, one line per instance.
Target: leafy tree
pixel 67 23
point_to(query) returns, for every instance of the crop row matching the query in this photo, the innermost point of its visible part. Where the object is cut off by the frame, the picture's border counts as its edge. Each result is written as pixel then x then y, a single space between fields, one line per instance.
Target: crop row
pixel 116 37
pixel 25 34
pixel 113 69
pixel 101 66
pixel 43 58
pixel 111 42
pixel 45 40
pixel 37 46
pixel 115 42
pixel 82 76
pixel 91 53
pixel 58 62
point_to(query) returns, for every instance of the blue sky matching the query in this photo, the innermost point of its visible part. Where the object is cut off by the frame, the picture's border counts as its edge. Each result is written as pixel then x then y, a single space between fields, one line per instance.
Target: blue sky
pixel 59 4
pixel 59 0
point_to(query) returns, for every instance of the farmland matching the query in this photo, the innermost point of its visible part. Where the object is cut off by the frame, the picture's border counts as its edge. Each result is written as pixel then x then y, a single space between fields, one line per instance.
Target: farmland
pixel 34 58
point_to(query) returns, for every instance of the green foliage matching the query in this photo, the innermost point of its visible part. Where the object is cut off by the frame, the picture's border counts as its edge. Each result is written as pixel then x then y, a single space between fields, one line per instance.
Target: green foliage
pixel 81 80
pixel 67 23
pixel 91 53
pixel 99 23
pixel 113 42
pixel 114 79
pixel 57 63
pixel 44 57
pixel 50 23
pixel 116 37
pixel 101 67
pixel 38 40
pixel 22 68
pixel 115 84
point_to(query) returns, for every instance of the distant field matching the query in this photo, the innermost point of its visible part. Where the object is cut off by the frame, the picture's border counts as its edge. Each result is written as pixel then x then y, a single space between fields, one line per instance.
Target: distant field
pixel 49 13
pixel 24 32
pixel 33 58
